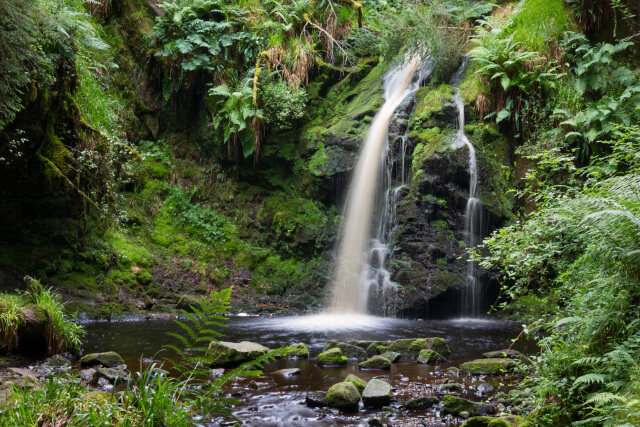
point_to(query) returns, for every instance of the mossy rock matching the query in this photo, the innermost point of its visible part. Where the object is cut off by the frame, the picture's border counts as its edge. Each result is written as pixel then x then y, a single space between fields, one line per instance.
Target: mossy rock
pixel 392 356
pixel 501 354
pixel 186 302
pixel 356 381
pixel 376 394
pixel 429 356
pixel 108 359
pixel 451 387
pixel 421 403
pixel 376 362
pixel 478 422
pixel 411 347
pixel 59 360
pixel 510 421
pixel 332 357
pixel 431 103
pixel 454 405
pixel 343 396
pixel 488 366
pixel 348 350
pixel 299 350
pixel 231 354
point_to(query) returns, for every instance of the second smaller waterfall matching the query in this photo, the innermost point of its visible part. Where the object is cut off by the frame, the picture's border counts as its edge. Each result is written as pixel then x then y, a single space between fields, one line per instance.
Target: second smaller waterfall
pixel 472 294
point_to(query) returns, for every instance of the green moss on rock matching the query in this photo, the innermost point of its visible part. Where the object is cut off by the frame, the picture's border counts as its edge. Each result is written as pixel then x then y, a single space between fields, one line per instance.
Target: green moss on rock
pixel 421 403
pixel 429 356
pixel 478 422
pixel 356 381
pixel 332 357
pixel 108 359
pixel 488 366
pixel 510 421
pixel 430 102
pixel 230 354
pixel 299 350
pixel 454 405
pixel 343 396
pixel 376 362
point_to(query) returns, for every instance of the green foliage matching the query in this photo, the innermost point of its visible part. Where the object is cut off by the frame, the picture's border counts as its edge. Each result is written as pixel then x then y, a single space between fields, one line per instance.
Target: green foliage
pixel 283 105
pixel 11 318
pixel 581 247
pixel 537 24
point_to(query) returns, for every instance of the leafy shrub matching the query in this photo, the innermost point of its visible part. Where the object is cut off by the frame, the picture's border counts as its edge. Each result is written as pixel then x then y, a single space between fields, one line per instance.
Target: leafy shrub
pixel 282 105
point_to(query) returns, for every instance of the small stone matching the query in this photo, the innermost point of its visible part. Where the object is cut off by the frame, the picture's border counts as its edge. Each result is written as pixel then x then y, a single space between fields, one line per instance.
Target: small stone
pixel 455 405
pixel 299 350
pixel 87 374
pixel 343 396
pixel 485 388
pixel 107 359
pixel 376 394
pixel 59 361
pixel 453 369
pixel 114 376
pixel 451 387
pixel 287 372
pixel 421 403
pixel 392 356
pixel 26 372
pixel 375 422
pixel 356 381
pixel 316 399
pixel 332 357
pixel 464 415
pixel 376 362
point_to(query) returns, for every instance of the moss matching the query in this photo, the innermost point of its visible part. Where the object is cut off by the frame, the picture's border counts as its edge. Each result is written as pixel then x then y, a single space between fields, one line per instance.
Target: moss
pixel 488 366
pixel 430 102
pixel 332 357
pixel 343 396
pixel 299 350
pixel 356 381
pixel 472 86
pixel 455 405
pixel 510 421
pixel 421 403
pixel 478 422
pixel 376 362
pixel 429 356
pixel 429 142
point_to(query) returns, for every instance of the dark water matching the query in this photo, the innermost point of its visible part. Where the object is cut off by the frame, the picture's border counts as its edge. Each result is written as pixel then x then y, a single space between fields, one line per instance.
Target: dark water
pixel 275 400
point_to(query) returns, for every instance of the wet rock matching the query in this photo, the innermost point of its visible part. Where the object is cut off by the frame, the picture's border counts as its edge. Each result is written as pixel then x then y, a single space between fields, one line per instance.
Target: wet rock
pixel 451 387
pixel 487 366
pixel 258 384
pixel 287 372
pixel 430 356
pixel 347 350
pixel 104 384
pixel 216 372
pixel 344 396
pixel 485 388
pixel 510 421
pixel 316 399
pixel 21 372
pixel 464 415
pixel 108 359
pixel 507 353
pixel 59 361
pixel 392 356
pixel 356 381
pixel 421 403
pixel 230 354
pixel 454 405
pixel 453 369
pixel 114 376
pixel 299 350
pixel 478 422
pixel 332 357
pixel 376 394
pixel 375 422
pixel 412 347
pixel 87 374
pixel 376 362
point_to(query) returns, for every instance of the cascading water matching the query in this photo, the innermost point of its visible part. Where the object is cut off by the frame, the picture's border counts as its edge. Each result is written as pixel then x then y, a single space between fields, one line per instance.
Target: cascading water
pixel 361 258
pixel 472 295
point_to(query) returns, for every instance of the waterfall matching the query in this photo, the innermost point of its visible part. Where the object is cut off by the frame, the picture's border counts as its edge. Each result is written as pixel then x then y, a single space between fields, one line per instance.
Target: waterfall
pixel 362 255
pixel 472 294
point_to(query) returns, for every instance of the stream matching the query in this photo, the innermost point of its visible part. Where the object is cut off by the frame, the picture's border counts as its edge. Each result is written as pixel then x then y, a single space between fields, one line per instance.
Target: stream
pixel 275 400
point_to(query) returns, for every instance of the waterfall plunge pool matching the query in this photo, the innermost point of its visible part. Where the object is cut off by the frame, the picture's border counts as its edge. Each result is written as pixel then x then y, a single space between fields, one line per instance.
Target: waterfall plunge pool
pixel 274 400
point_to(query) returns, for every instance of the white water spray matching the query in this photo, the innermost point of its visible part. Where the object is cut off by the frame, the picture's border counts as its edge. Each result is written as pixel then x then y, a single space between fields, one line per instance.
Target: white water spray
pixel 351 285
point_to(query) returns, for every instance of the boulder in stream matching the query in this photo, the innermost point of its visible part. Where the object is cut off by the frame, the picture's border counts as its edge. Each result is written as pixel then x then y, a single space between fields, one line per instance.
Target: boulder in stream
pixel 316 399
pixel 287 372
pixel 107 359
pixel 356 381
pixel 392 356
pixel 348 350
pixel 429 356
pixel 454 405
pixel 332 357
pixel 299 350
pixel 421 403
pixel 344 396
pixel 376 362
pixel 506 353
pixel 230 353
pixel 411 347
pixel 376 394
pixel 508 421
pixel 488 366
pixel 451 387
pixel 59 361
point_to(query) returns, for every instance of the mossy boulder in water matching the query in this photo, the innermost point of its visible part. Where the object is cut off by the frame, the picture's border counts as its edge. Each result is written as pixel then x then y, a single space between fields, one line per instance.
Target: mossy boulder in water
pixel 454 405
pixel 356 381
pixel 59 360
pixel 501 354
pixel 376 362
pixel 299 350
pixel 421 403
pixel 392 356
pixel 348 350
pixel 108 359
pixel 488 366
pixel 412 347
pixel 478 422
pixel 429 356
pixel 344 396
pixel 230 354
pixel 376 394
pixel 332 357
pixel 510 421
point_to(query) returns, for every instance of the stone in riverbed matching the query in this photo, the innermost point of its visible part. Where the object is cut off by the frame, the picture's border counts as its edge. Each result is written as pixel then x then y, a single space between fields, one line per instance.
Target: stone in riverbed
pixel 506 353
pixel 356 381
pixel 478 422
pixel 488 366
pixel 344 396
pixel 230 353
pixel 411 347
pixel 347 350
pixel 113 376
pixel 299 350
pixel 392 356
pixel 429 356
pixel 376 362
pixel 107 359
pixel 332 357
pixel 59 361
pixel 316 399
pixel 287 372
pixel 376 394
pixel 454 405
pixel 421 403
pixel 451 387
pixel 508 421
